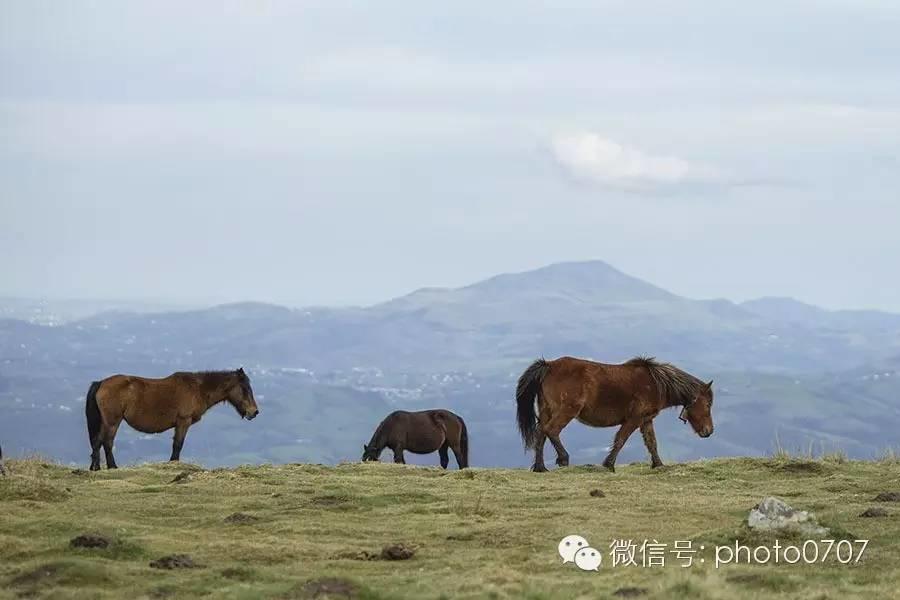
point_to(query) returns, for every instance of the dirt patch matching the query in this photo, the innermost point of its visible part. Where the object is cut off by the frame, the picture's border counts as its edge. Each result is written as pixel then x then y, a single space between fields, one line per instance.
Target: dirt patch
pixel 241 519
pixel 162 592
pixel 79 472
pixel 887 497
pixel 38 576
pixel 89 540
pixel 328 587
pixel 746 578
pixel 463 536
pixel 182 477
pixel 175 561
pixel 329 500
pixel 239 573
pixel 630 592
pixel 875 511
pixel 356 555
pixel 598 494
pixel 397 552
pixel 803 467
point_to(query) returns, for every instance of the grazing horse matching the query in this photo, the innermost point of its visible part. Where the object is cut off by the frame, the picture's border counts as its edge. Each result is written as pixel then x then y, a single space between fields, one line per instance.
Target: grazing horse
pixel 156 405
pixel 421 433
pixel 600 395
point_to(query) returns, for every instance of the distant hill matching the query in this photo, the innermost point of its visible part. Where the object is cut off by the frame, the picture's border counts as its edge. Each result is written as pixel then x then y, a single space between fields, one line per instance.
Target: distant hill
pixel 780 366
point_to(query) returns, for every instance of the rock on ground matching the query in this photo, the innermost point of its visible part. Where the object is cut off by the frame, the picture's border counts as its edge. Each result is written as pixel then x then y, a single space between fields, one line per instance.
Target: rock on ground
pixel 241 518
pixel 174 561
pixel 89 540
pixel 887 497
pixel 774 514
pixel 397 552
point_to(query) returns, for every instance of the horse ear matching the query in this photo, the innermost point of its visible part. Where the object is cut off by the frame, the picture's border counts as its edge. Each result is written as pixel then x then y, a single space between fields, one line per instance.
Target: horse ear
pixel 241 370
pixel 709 385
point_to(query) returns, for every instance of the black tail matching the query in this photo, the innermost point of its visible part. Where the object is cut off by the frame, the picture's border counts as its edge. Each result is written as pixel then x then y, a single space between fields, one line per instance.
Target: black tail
pixel 92 411
pixel 527 393
pixel 463 444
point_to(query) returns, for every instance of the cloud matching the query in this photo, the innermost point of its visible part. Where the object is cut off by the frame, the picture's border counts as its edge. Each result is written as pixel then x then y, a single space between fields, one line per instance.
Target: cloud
pixel 593 158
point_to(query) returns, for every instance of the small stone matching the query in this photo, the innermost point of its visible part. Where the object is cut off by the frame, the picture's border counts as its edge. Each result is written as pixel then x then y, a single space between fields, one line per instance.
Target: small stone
pixel 887 497
pixel 175 561
pixel 598 494
pixel 241 518
pixel 397 552
pixel 875 511
pixel 630 592
pixel 89 540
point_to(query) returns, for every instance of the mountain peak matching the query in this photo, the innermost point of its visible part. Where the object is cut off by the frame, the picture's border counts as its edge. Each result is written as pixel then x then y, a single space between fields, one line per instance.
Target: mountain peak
pixel 594 279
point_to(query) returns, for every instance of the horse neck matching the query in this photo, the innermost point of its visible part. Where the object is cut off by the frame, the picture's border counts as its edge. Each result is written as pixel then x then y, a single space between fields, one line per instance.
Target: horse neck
pixel 379 438
pixel 214 394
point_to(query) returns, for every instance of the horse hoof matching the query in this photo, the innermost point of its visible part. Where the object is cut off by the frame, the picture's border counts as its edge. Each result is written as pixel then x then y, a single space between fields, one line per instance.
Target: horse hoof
pixel 562 463
pixel 656 465
pixel 539 469
pixel 611 468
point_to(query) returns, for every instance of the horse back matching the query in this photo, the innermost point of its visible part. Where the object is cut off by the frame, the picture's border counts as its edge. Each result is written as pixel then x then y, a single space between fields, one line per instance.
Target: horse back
pixel 147 404
pixel 605 393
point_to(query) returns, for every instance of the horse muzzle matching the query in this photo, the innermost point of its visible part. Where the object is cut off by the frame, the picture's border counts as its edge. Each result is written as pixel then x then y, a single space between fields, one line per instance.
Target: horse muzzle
pixel 251 416
pixel 705 433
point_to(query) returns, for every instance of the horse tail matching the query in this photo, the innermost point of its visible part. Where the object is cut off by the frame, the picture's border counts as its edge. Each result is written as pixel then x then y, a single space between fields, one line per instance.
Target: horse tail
pixel 463 443
pixel 528 391
pixel 92 412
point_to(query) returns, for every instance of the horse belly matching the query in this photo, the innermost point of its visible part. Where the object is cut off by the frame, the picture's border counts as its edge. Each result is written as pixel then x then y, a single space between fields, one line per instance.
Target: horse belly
pixel 148 421
pixel 600 415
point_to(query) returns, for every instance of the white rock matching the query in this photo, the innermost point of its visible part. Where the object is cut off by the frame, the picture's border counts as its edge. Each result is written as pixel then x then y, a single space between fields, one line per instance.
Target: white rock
pixel 773 514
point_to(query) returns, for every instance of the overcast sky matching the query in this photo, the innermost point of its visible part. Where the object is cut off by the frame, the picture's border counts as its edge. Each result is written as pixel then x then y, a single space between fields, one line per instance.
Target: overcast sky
pixel 348 152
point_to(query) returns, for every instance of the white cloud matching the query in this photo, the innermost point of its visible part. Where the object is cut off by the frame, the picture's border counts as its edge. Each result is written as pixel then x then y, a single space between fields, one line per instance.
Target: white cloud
pixel 591 157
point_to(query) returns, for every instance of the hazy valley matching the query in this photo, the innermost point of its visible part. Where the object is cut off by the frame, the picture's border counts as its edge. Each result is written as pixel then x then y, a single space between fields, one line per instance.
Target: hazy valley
pixel 325 377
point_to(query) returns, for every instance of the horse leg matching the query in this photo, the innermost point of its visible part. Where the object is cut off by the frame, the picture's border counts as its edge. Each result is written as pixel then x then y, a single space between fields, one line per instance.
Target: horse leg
pixel 554 426
pixel 650 441
pixel 445 458
pixel 622 436
pixel 108 436
pixel 398 455
pixel 96 442
pixel 181 427
pixel 462 460
pixel 540 438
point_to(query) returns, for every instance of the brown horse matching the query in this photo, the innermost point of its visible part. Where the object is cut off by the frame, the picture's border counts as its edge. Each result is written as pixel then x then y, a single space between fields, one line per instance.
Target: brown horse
pixel 629 395
pixel 421 433
pixel 155 405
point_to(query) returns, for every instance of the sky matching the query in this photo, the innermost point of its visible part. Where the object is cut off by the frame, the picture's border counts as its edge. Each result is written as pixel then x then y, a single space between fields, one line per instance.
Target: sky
pixel 349 152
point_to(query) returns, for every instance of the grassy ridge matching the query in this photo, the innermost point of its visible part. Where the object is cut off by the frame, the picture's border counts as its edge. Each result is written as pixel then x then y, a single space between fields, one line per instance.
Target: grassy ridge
pixel 477 533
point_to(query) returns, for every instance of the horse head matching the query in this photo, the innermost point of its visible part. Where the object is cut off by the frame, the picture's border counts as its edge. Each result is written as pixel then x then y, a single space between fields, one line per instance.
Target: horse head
pixel 370 453
pixel 699 411
pixel 240 395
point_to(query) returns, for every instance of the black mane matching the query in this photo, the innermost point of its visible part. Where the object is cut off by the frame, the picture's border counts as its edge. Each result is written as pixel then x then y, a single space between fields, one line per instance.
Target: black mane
pixel 675 386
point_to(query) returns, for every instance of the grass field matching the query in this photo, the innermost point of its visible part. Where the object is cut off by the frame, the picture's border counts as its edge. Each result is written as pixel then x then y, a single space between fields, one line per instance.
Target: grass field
pixel 478 533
